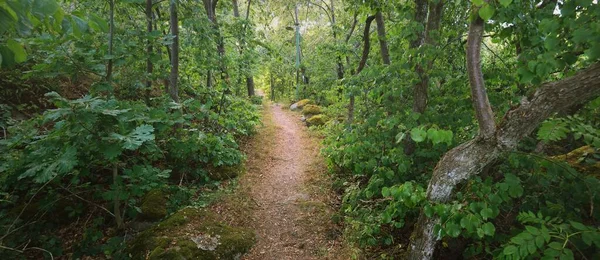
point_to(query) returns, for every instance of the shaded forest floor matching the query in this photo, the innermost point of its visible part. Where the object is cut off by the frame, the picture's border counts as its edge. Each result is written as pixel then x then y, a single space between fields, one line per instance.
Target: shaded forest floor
pixel 285 195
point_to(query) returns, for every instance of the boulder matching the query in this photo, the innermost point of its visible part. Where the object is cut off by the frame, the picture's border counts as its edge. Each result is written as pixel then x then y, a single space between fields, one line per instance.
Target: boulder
pixel 311 110
pixel 191 234
pixel 300 104
pixel 154 206
pixel 316 120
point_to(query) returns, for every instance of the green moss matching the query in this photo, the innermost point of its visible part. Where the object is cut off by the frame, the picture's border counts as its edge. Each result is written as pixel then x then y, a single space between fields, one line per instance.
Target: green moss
pixel 303 103
pixel 300 104
pixel 154 206
pixel 316 120
pixel 311 110
pixel 172 238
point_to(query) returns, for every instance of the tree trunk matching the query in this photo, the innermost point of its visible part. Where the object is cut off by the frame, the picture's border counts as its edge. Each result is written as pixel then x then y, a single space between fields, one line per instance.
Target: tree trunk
pixel 116 201
pixel 149 66
pixel 250 86
pixel 210 7
pixel 468 159
pixel 173 89
pixel 385 52
pixel 249 78
pixel 340 65
pixel 361 64
pixel 272 81
pixel 111 35
pixel 432 26
pixel 165 79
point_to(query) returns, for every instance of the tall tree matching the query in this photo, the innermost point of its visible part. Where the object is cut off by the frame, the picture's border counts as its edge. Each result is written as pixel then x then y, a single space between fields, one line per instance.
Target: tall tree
pixel 173 79
pixel 244 44
pixel 210 6
pixel 468 159
pixel 361 64
pixel 149 65
pixel 385 52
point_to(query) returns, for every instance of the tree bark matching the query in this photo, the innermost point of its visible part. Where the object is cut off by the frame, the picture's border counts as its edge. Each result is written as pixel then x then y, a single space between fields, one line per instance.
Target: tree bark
pixel 173 88
pixel 111 35
pixel 159 16
pixel 385 52
pixel 149 65
pixel 340 65
pixel 483 109
pixel 468 159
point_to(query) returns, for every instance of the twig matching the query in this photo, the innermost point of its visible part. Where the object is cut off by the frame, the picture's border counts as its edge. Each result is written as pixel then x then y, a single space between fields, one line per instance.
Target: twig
pixel 79 197
pixel 23 210
pixel 27 248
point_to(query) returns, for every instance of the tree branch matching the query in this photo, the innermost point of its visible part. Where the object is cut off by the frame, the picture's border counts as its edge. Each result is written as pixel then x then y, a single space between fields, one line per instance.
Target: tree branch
pixel 548 99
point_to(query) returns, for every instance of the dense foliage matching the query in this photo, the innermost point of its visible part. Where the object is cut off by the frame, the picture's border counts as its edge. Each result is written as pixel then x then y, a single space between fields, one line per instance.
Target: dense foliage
pixel 538 201
pixel 88 133
pixel 92 118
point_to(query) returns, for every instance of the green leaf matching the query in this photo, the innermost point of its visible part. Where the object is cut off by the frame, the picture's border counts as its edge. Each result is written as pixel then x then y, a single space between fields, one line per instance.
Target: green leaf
pixel 505 3
pixel 43 8
pixel 486 213
pixel 510 250
pixel 553 130
pixel 111 151
pixel 532 230
pixel 418 134
pixel 578 226
pixel 486 12
pixel 555 246
pixel 539 241
pixel 17 49
pixel 385 192
pixel 489 229
pixel 452 229
pixel 478 2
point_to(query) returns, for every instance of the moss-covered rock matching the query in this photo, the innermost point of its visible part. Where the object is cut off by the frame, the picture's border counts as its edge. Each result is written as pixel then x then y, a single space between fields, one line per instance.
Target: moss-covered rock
pixel 154 206
pixel 316 120
pixel 300 104
pixel 311 110
pixel 191 234
pixel 225 172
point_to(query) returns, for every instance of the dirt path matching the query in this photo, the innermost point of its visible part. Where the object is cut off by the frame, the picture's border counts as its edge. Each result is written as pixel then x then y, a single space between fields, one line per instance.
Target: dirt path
pixel 287 192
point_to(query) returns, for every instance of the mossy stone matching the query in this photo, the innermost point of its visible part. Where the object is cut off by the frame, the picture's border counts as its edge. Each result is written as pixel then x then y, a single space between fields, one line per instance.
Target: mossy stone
pixel 311 110
pixel 300 104
pixel 317 120
pixel 176 238
pixel 154 206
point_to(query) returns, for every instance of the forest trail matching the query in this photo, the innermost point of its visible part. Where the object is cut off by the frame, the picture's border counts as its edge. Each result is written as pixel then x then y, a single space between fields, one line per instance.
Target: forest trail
pixel 286 190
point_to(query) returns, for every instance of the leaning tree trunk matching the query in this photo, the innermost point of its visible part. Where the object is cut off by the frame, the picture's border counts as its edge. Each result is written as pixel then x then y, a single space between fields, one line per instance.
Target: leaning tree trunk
pixel 468 159
pixel 361 65
pixel 173 89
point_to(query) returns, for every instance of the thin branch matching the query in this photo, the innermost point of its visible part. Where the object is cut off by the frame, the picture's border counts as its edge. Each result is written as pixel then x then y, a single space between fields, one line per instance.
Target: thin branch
pixel 90 202
pixel 23 210
pixel 352 28
pixel 27 248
